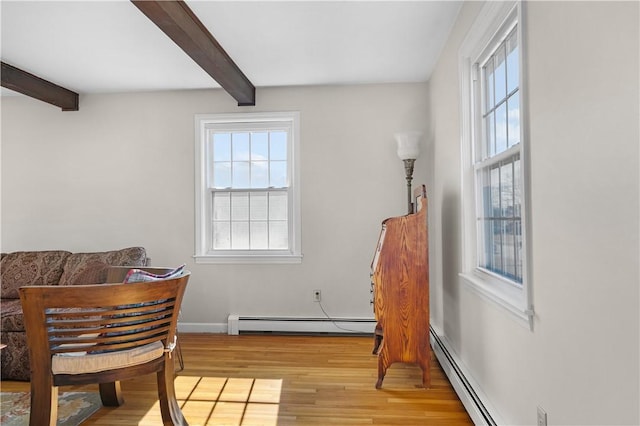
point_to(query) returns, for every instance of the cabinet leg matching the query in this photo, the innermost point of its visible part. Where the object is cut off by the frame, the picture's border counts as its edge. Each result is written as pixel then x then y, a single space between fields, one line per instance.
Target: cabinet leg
pixel 378 335
pixel 426 374
pixel 376 344
pixel 382 369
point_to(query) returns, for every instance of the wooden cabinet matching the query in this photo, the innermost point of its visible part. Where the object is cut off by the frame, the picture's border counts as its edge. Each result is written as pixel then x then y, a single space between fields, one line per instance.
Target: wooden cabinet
pixel 400 286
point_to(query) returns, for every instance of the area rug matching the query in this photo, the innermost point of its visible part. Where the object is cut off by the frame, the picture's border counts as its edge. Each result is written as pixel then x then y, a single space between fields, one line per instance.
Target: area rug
pixel 73 408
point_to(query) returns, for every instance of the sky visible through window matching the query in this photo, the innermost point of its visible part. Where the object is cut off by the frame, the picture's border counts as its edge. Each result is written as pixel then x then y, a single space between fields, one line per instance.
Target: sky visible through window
pixel 502 98
pixel 249 160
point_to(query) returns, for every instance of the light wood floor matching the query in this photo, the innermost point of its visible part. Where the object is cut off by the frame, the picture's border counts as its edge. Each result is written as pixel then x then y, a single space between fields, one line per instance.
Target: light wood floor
pixel 285 380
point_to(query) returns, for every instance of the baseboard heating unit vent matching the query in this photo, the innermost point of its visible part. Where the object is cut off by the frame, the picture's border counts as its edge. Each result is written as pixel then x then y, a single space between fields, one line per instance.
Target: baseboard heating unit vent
pixel 237 324
pixel 471 397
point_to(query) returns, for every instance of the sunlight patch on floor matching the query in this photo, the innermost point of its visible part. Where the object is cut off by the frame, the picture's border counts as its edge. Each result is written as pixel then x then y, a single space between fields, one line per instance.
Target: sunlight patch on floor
pixel 229 401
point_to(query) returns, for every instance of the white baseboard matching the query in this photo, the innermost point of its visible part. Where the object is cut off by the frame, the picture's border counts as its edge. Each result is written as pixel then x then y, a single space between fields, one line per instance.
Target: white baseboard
pixel 196 327
pixel 237 323
pixel 472 397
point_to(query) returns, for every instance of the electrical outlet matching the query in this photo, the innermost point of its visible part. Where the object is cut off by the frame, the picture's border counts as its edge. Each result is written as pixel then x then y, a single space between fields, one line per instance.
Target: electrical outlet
pixel 317 295
pixel 542 417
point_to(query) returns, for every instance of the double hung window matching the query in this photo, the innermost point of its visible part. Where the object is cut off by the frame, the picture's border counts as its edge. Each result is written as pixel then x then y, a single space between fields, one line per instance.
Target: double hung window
pixel 493 159
pixel 247 198
pixel 497 162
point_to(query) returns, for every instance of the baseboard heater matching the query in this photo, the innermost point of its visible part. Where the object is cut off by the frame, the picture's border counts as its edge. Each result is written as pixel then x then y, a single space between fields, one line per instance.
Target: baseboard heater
pixel 471 397
pixel 237 324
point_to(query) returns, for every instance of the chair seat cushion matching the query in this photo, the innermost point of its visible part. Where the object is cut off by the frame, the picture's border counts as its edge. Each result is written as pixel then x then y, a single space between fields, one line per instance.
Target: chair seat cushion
pixel 81 363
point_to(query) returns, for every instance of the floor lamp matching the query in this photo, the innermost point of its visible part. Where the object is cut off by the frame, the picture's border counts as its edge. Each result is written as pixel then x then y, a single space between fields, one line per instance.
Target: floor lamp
pixel 408 151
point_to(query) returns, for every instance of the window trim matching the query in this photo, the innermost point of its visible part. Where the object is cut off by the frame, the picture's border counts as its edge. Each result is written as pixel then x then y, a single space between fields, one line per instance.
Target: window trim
pixel 495 20
pixel 202 212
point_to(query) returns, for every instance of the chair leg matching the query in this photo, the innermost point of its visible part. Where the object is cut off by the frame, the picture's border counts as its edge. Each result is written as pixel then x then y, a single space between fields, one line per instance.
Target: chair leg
pixel 169 407
pixel 111 394
pixel 44 403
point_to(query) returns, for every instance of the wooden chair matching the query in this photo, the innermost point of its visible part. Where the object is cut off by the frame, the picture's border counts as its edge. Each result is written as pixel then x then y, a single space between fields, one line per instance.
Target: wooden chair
pixel 101 334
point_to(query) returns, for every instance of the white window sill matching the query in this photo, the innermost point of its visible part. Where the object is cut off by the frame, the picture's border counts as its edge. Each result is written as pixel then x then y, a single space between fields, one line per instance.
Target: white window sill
pixel 248 259
pixel 507 297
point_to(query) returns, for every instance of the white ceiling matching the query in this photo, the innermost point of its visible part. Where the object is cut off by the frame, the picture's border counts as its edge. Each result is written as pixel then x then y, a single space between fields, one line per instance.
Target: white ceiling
pixel 110 46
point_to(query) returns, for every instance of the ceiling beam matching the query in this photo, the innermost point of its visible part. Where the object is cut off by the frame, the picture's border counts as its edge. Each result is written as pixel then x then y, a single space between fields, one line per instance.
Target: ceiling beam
pixel 182 26
pixel 28 84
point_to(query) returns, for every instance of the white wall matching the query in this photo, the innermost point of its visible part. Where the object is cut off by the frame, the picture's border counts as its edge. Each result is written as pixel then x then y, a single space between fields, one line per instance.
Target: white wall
pixel 120 172
pixel 581 361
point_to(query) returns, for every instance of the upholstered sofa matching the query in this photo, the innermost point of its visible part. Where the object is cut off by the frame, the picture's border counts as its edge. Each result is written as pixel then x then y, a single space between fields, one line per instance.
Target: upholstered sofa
pixel 55 267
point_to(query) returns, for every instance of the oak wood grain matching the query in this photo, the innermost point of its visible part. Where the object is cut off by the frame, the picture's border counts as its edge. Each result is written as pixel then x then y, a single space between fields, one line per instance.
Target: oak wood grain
pixel 285 380
pixel 401 293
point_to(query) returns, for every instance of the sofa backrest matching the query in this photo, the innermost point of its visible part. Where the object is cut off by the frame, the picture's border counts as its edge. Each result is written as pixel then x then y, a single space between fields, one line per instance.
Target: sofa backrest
pixel 91 268
pixel 24 268
pixel 59 267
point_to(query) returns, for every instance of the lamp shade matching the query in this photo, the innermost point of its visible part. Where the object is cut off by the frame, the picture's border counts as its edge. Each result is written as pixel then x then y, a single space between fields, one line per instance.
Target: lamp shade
pixel 408 145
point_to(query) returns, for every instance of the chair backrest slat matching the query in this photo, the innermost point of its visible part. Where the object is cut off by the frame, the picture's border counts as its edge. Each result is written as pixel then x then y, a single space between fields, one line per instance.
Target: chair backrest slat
pixel 103 317
pixel 130 332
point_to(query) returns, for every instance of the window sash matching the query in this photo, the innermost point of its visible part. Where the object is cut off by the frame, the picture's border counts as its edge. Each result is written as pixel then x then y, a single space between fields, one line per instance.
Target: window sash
pixel 499 96
pixel 263 225
pixel 499 218
pixel 256 157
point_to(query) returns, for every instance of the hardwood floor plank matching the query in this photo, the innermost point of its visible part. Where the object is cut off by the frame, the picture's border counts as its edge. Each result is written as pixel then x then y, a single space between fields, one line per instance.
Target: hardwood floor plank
pixel 279 380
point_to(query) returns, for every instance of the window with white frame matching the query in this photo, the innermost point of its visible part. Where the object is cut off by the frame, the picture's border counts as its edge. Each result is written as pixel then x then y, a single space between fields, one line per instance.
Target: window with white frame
pixel 247 198
pixel 494 150
pixel 497 161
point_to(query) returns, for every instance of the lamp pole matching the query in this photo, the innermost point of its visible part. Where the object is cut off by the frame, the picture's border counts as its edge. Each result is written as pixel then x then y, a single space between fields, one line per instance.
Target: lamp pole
pixel 408 171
